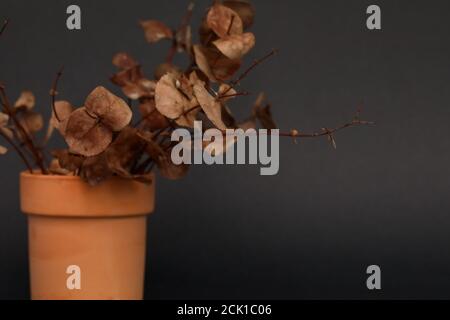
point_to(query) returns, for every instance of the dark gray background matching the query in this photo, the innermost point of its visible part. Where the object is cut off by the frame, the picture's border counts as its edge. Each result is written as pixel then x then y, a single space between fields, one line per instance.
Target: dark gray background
pixel 311 231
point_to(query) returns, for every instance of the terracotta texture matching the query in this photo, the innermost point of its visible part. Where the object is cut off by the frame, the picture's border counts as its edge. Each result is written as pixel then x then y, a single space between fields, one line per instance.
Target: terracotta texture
pixel 101 229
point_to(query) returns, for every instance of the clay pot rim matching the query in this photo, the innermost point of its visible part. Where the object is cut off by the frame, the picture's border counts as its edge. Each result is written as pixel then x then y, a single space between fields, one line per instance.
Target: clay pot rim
pixel 71 196
pixel 39 175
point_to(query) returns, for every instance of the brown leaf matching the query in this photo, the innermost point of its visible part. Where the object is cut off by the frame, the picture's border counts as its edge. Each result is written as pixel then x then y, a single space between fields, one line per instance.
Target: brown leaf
pixel 224 21
pixel 133 83
pixel 63 110
pixel 112 111
pixel 55 168
pixel 124 151
pixel 4 118
pixel 95 169
pixel 164 68
pixel 156 30
pixel 236 46
pixel 215 65
pixel 31 121
pixel 26 101
pixel 244 9
pixel 210 105
pixel 170 170
pixel 226 92
pixel 151 117
pixel 127 76
pixel 123 60
pixel 86 134
pixel 162 159
pixel 67 160
pixel 170 102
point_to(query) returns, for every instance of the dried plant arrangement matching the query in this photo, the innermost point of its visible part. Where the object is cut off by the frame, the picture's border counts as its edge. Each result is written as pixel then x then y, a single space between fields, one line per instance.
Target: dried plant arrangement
pixel 130 136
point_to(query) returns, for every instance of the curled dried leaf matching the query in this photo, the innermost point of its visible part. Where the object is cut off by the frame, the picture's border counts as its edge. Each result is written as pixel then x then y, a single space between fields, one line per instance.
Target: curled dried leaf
pixel 156 31
pixel 63 110
pixel 86 134
pixel 111 110
pixel 224 21
pixel 244 9
pixel 236 46
pixel 26 101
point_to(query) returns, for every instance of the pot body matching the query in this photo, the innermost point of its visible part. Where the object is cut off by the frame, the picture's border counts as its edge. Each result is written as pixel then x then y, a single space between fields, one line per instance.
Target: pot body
pixel 86 242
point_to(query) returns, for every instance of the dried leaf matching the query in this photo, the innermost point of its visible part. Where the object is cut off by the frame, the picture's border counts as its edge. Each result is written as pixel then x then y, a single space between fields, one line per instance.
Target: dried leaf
pixel 124 151
pixel 165 68
pixel 156 31
pixel 63 110
pixel 215 65
pixel 226 92
pixel 133 83
pixel 224 21
pixel 4 118
pixel 210 105
pixel 170 170
pixel 67 160
pixel 152 119
pixel 112 111
pixel 236 46
pixel 26 101
pixel 162 159
pixel 170 102
pixel 123 60
pixel 244 9
pixel 87 135
pixel 95 169
pixel 31 121
pixel 55 168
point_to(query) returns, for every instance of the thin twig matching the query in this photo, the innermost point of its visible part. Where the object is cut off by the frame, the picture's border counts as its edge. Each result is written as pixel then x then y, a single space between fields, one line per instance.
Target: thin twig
pixel 18 150
pixel 28 140
pixel 255 63
pixel 54 92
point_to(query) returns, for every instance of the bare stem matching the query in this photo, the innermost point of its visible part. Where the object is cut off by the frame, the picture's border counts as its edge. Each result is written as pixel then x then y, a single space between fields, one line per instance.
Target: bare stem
pixel 18 150
pixel 54 92
pixel 255 63
pixel 28 140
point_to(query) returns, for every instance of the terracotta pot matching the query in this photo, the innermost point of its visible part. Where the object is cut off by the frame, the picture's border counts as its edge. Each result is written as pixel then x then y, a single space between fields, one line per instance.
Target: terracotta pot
pixel 101 230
